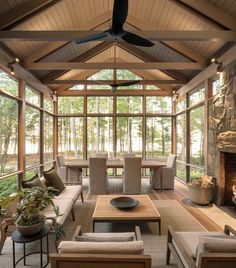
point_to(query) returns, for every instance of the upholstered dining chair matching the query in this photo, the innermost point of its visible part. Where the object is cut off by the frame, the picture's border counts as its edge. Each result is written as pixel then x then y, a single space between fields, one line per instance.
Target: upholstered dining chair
pixel 164 177
pixel 132 175
pixel 97 175
pixel 102 154
pixel 74 174
pixel 202 249
pixel 128 155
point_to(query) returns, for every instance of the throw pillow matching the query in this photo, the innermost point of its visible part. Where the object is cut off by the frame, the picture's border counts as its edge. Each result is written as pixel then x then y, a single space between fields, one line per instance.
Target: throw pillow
pixel 53 179
pixel 34 181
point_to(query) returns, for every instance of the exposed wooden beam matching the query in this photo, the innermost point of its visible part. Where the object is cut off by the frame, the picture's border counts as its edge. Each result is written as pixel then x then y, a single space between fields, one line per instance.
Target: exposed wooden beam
pixel 108 82
pixel 138 52
pixel 23 10
pixel 212 35
pixel 109 65
pixel 213 12
pixel 121 92
pixel 49 49
pixel 81 58
pixel 186 52
pixel 177 46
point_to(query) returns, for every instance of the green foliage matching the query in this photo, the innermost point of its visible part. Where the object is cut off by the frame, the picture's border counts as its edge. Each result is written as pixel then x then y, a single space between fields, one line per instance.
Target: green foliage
pixel 8 186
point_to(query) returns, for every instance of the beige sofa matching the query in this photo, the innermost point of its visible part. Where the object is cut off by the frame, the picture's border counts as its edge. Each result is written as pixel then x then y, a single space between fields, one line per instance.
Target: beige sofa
pixel 101 250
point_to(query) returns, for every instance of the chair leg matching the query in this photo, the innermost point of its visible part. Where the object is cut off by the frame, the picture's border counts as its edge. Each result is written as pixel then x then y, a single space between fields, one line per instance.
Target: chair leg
pixel 2 239
pixel 168 252
pixel 82 196
pixel 73 214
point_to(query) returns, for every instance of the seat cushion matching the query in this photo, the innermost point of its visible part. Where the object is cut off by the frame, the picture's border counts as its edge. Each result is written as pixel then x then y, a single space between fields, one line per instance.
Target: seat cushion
pixel 71 192
pixel 64 205
pixel 106 237
pixel 132 247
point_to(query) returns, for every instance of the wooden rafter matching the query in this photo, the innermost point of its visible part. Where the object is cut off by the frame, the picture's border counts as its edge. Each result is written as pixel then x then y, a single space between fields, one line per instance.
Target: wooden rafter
pixel 212 12
pixel 108 82
pixel 108 65
pixel 211 35
pixel 81 58
pixel 24 10
pixel 54 46
pixel 138 52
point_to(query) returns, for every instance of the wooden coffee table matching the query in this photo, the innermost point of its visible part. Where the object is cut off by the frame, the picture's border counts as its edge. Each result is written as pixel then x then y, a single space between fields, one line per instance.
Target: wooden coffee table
pixel 144 212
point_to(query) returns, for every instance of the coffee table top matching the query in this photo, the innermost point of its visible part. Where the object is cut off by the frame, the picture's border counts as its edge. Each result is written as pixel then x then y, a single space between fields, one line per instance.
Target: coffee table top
pixel 145 210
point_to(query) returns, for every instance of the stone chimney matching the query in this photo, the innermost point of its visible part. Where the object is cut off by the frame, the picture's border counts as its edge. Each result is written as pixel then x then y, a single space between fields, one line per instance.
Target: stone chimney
pixel 222 129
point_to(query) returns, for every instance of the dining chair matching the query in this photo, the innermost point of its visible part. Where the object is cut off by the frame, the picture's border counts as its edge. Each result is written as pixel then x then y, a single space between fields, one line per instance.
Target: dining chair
pixel 102 154
pixel 74 173
pixel 128 155
pixel 97 175
pixel 164 177
pixel 132 175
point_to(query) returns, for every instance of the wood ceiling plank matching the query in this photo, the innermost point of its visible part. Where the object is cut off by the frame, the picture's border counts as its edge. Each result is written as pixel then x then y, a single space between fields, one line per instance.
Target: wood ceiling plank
pixel 22 11
pixel 93 66
pixel 49 49
pixel 211 35
pixel 212 12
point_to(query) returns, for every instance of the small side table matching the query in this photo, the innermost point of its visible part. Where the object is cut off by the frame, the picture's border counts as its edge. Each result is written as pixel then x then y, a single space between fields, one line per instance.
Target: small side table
pixel 17 237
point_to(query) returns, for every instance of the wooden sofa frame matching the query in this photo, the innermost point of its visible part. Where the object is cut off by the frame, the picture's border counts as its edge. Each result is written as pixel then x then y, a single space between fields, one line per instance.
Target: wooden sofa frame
pixel 72 260
pixel 207 260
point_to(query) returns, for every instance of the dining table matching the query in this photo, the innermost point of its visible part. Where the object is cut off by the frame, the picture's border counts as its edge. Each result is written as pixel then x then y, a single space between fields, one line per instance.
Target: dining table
pixel 112 163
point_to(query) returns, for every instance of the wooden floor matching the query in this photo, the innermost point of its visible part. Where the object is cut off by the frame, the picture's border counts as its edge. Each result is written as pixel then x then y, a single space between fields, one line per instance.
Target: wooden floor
pixel 180 194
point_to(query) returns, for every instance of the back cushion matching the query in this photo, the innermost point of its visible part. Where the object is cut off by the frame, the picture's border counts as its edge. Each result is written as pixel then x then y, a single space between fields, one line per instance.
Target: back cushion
pixel 53 179
pixel 216 244
pixel 132 247
pixel 34 181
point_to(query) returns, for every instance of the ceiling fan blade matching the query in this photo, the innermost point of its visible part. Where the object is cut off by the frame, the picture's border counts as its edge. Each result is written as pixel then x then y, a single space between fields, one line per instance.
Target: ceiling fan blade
pixel 136 40
pixel 94 37
pixel 120 12
pixel 129 83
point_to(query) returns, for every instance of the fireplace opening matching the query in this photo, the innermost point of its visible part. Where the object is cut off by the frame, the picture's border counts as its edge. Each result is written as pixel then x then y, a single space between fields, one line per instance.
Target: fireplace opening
pixel 230 178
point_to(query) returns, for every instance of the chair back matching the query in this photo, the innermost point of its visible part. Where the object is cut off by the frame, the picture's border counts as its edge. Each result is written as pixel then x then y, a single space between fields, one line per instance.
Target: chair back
pixel 97 175
pixel 60 160
pixel 132 175
pixel 171 161
pixel 128 155
pixel 102 155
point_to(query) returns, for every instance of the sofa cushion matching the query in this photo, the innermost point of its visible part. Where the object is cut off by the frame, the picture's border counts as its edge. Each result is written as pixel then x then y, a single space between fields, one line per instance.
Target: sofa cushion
pixel 53 179
pixel 70 191
pixel 106 237
pixel 65 206
pixel 216 244
pixel 132 247
pixel 33 182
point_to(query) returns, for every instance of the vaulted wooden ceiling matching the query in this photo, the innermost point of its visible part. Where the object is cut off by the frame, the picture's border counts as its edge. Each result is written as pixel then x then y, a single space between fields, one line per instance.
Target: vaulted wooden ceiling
pixel 187 34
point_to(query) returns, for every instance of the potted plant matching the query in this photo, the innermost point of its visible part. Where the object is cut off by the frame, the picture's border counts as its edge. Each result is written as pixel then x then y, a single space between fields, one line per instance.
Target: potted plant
pixel 200 190
pixel 28 217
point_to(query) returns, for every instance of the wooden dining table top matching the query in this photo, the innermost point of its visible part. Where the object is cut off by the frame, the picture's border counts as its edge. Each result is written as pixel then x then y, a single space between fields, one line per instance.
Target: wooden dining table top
pixel 113 163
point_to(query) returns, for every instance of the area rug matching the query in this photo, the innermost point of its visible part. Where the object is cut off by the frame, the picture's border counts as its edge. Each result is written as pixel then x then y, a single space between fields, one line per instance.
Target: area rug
pixel 171 211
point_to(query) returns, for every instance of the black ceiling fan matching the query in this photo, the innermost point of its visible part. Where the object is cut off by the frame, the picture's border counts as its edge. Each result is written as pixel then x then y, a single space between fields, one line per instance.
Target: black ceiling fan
pixel 120 12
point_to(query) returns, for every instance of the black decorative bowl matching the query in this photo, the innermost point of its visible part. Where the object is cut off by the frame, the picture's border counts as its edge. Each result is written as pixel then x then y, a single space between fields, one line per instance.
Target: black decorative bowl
pixel 124 202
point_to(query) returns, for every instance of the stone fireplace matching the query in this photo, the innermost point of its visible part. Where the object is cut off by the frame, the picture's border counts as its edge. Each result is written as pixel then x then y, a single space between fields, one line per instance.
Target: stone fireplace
pixel 221 158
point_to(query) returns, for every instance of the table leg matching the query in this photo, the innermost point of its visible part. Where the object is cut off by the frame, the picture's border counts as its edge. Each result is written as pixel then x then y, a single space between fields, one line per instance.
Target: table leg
pixel 93 226
pixel 160 227
pixel 24 254
pixel 14 257
pixel 67 174
pixel 41 253
pixel 47 250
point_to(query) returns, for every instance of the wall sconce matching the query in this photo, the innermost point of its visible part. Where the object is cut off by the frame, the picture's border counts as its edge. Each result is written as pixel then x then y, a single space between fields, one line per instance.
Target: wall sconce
pixel 54 96
pixel 175 95
pixel 219 65
pixel 11 67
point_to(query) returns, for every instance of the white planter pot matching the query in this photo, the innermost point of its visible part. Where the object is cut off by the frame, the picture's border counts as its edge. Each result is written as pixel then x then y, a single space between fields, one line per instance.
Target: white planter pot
pixel 200 196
